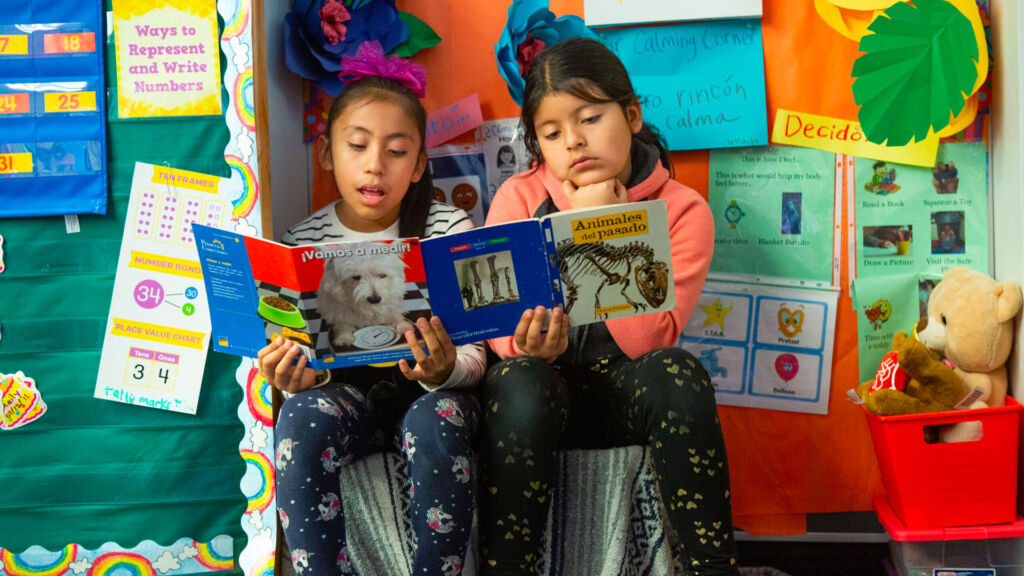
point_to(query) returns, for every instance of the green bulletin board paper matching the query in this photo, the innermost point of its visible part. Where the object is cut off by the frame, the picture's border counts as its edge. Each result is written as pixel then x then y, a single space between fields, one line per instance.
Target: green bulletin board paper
pixel 774 208
pixel 921 220
pixel 885 305
pixel 89 471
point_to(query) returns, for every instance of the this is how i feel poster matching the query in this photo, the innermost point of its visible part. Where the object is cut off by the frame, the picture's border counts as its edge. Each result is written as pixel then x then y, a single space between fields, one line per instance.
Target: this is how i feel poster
pixel 774 210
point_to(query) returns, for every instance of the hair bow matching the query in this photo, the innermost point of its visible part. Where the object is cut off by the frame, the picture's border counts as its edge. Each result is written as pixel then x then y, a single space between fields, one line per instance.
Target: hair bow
pixel 370 61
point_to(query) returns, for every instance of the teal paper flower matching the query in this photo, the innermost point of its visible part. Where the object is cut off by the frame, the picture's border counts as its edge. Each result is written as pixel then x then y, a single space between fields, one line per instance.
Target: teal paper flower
pixel 530 28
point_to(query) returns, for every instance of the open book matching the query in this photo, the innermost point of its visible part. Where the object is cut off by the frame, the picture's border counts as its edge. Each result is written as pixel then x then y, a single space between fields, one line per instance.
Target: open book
pixel 350 303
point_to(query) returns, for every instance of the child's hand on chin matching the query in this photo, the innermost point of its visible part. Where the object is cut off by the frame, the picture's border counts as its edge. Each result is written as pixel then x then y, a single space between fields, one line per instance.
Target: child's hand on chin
pixel 533 342
pixel 432 370
pixel 276 363
pixel 604 193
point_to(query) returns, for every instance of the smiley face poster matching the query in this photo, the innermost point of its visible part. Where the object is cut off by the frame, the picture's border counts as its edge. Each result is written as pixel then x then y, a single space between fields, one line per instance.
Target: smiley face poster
pixel 460 179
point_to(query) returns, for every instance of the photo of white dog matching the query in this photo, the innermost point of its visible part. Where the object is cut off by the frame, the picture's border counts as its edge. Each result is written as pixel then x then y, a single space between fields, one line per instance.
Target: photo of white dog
pixel 361 291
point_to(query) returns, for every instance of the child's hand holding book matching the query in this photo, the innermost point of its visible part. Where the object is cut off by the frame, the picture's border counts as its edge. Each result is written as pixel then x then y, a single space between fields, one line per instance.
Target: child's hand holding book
pixel 533 341
pixel 435 368
pixel 277 365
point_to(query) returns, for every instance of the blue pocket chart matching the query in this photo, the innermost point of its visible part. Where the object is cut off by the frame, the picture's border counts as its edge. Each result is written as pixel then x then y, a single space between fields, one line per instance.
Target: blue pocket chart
pixel 53 157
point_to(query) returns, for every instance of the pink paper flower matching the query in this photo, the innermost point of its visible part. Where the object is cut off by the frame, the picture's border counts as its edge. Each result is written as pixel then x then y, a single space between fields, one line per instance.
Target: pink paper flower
pixel 333 16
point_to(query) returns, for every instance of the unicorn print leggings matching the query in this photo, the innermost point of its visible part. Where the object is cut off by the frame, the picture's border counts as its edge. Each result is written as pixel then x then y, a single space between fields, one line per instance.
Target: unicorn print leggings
pixel 664 399
pixel 321 430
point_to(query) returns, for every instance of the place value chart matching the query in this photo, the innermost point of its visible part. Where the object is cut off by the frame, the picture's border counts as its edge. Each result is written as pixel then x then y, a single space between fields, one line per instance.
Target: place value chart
pixel 158 329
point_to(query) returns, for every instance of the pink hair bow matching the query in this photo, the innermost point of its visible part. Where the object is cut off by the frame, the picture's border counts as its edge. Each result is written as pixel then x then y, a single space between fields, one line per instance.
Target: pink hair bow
pixel 370 61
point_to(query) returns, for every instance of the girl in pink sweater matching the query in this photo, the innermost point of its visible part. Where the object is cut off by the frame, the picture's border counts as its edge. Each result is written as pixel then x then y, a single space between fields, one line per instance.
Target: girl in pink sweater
pixel 609 384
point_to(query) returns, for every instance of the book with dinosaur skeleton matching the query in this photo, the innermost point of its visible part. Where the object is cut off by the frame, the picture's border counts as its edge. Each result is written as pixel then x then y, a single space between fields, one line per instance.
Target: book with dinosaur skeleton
pixel 596 263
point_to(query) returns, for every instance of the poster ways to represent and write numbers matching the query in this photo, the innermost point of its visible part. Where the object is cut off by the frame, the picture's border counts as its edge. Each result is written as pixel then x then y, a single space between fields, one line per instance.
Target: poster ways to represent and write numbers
pixel 158 329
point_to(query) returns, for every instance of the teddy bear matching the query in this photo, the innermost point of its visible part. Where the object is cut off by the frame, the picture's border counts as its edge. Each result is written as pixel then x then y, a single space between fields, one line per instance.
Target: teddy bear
pixel 970 322
pixel 911 379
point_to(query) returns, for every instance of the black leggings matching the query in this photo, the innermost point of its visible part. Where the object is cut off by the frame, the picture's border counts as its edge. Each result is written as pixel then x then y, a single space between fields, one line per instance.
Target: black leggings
pixel 664 399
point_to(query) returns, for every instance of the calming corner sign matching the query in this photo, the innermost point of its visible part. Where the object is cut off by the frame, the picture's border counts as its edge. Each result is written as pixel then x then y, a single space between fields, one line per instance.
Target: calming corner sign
pixel 702 84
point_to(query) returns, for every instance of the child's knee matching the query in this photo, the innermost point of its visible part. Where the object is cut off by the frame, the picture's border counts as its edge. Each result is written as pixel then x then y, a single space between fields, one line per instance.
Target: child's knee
pixel 436 410
pixel 523 388
pixel 326 409
pixel 674 378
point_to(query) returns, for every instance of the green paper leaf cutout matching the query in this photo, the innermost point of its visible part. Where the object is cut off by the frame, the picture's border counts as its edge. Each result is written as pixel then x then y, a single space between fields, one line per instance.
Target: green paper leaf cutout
pixel 421 36
pixel 917 70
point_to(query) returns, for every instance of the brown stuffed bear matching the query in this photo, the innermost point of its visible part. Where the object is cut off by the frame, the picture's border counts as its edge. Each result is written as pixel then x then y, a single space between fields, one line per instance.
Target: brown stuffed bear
pixel 933 386
pixel 970 321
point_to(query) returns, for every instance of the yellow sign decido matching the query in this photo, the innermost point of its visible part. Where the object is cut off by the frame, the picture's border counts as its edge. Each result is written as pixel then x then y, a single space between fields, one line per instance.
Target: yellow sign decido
pixel 846 137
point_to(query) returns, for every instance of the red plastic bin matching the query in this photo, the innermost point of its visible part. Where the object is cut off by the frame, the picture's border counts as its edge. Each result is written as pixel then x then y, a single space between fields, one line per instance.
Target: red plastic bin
pixel 959 484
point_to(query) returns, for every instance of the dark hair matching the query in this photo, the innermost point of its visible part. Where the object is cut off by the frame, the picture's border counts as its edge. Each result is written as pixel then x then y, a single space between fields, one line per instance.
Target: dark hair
pixel 412 213
pixel 878 165
pixel 588 70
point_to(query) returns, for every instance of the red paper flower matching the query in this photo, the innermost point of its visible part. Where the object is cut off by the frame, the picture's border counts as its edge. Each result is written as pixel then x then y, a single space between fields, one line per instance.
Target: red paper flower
pixel 333 16
pixel 528 50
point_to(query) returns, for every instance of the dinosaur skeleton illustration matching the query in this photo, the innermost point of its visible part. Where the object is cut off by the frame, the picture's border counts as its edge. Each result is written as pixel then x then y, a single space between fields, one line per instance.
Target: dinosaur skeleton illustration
pixel 613 265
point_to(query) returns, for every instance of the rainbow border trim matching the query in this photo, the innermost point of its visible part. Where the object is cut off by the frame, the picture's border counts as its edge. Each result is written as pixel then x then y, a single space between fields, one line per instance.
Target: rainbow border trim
pixel 260 498
pixel 17 565
pixel 116 563
pixel 245 203
pixel 258 398
pixel 209 556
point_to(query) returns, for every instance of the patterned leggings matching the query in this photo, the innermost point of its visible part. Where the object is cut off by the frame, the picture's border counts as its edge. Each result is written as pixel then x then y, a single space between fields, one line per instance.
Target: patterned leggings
pixel 321 430
pixel 664 399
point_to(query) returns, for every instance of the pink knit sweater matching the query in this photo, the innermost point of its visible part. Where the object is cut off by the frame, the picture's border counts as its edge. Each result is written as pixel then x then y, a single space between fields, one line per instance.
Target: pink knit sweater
pixel 692 235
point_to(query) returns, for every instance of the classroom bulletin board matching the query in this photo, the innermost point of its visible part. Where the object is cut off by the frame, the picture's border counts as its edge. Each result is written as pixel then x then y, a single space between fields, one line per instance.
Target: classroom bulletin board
pixel 783 465
pixel 101 487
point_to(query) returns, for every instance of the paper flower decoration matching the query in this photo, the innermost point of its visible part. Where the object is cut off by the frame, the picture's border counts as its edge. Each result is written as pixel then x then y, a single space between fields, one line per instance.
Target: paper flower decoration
pixel 332 19
pixel 530 28
pixel 319 32
pixel 920 66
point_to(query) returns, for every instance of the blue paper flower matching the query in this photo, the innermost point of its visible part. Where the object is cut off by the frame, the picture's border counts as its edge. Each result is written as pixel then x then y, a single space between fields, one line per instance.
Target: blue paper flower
pixel 311 54
pixel 530 28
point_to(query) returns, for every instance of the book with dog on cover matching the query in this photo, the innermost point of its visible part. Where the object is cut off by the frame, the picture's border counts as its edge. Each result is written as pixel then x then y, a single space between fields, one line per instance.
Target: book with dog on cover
pixel 344 303
pixel 350 303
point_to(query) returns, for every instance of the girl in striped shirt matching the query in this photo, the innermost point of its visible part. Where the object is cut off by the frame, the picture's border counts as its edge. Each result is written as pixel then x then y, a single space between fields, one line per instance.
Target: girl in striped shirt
pixel 375 148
